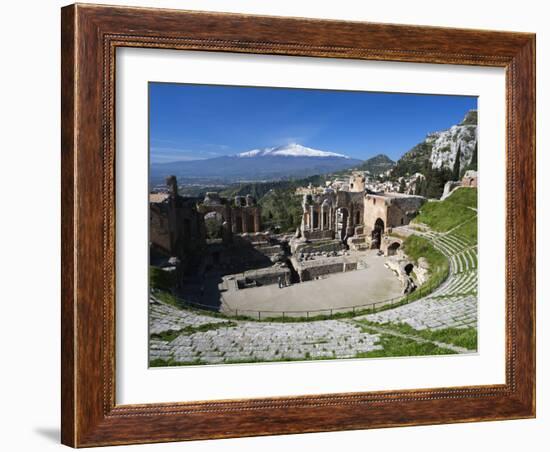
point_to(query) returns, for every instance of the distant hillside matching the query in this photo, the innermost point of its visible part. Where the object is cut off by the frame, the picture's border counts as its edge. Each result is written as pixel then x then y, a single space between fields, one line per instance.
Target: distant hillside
pixel 414 161
pixel 377 165
pixel 283 162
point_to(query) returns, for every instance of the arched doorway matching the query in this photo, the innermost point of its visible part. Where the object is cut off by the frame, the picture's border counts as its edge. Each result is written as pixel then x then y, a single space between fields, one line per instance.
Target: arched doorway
pixel 377 233
pixel 392 249
pixel 342 215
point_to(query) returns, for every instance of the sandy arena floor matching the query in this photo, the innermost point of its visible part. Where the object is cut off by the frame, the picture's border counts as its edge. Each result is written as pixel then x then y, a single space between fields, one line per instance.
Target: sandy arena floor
pixel 359 287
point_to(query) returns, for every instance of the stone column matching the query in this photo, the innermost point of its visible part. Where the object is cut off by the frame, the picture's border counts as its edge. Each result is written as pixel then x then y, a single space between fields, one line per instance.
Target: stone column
pixel 311 218
pixel 322 217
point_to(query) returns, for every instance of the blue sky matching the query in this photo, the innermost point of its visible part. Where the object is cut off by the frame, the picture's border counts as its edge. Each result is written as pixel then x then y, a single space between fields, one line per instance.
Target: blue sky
pixel 192 122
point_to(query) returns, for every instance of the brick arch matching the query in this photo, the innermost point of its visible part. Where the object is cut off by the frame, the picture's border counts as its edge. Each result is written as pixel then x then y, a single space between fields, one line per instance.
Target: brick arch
pixel 377 232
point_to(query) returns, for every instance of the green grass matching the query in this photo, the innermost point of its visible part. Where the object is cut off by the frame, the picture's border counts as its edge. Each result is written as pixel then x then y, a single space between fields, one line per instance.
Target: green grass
pixel 160 279
pixel 167 336
pixel 416 247
pixel 461 337
pixel 159 362
pixel 465 196
pixel 170 335
pixel 168 298
pixel 467 231
pixel 394 346
pixel 442 216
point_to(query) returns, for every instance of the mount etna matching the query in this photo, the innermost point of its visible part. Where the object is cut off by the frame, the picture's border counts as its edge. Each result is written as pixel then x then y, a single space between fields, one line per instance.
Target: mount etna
pixel 275 163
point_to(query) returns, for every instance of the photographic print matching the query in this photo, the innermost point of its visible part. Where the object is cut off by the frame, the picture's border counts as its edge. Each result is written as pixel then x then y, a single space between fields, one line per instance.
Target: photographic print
pixel 292 224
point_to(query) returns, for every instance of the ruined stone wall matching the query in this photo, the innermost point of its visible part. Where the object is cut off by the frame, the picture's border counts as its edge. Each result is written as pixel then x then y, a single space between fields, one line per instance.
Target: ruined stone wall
pixel 319 235
pixel 357 211
pixel 159 229
pixel 391 246
pixel 245 219
pixel 375 207
pixel 339 212
pixel 469 179
pixel 242 217
pixel 328 246
pixel 391 209
pixel 402 210
pixel 176 229
pixel 265 277
pixel 310 273
pixel 357 183
pixel 311 269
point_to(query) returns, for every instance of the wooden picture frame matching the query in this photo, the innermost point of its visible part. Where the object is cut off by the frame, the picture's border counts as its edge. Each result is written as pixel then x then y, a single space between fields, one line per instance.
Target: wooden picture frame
pixel 90 36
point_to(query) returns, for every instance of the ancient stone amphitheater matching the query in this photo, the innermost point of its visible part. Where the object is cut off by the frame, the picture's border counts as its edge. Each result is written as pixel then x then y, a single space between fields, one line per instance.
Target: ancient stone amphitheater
pixel 451 305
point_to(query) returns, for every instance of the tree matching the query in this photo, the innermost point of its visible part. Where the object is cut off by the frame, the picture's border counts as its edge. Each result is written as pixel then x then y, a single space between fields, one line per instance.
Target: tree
pixel 420 187
pixel 402 186
pixel 435 181
pixel 473 162
pixel 456 168
pixel 417 187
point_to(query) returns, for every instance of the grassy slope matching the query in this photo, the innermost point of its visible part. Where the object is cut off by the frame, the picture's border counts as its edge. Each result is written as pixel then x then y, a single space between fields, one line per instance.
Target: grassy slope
pixel 394 346
pixel 416 247
pixel 468 231
pixel 443 216
pixel 461 337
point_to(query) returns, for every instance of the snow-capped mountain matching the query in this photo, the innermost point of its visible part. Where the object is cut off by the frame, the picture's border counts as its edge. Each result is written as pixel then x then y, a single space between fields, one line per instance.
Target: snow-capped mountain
pixel 290 150
pixel 280 162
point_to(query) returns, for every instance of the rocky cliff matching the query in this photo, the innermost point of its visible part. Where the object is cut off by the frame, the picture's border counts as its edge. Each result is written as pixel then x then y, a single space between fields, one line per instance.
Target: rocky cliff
pixel 439 149
pixel 445 144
